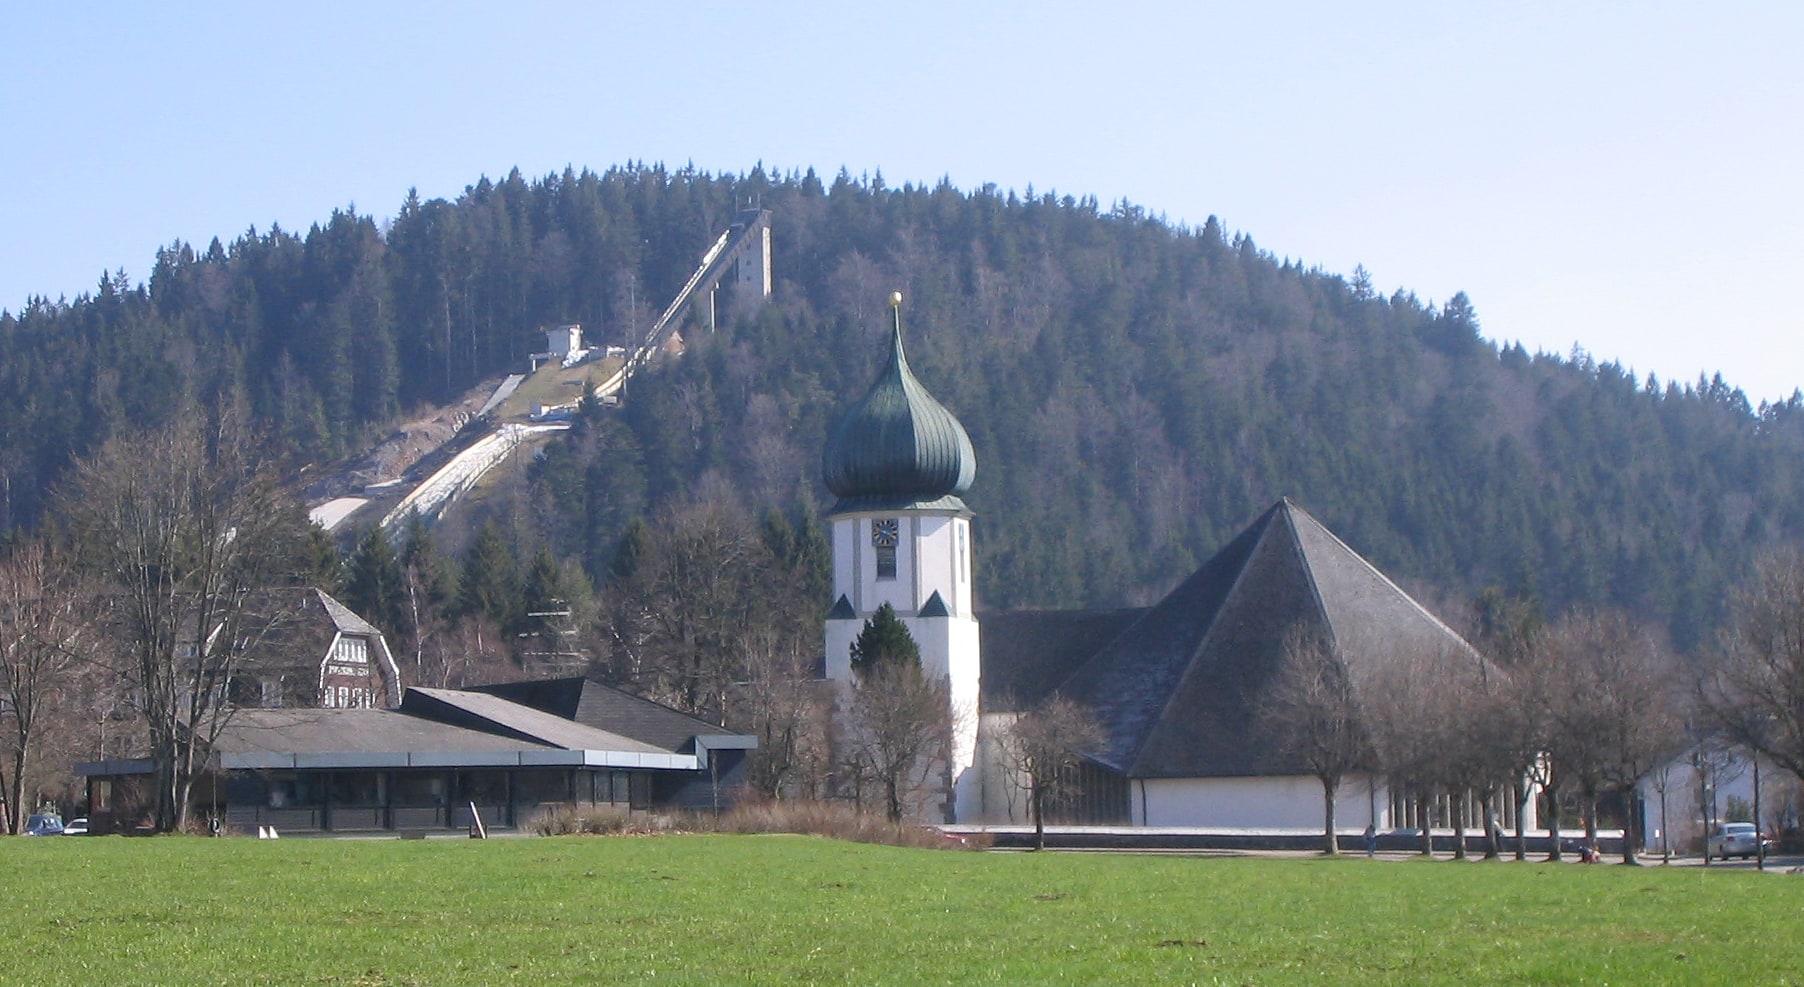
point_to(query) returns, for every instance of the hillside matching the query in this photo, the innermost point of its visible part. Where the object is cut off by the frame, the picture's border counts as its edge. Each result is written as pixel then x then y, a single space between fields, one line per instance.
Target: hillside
pixel 1135 391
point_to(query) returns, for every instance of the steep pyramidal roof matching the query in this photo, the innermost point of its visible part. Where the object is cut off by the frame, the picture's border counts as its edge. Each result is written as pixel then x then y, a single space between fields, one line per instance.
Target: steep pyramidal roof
pixel 898 448
pixel 1177 691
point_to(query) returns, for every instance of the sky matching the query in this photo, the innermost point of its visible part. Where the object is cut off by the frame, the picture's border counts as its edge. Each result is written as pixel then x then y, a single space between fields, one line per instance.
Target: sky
pixel 1627 178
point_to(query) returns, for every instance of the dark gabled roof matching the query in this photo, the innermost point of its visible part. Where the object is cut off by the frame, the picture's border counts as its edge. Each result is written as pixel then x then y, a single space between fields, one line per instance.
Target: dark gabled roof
pixel 1027 653
pixel 456 728
pixel 590 703
pixel 1176 692
pixel 898 448
pixel 482 710
pixel 331 731
pixel 433 728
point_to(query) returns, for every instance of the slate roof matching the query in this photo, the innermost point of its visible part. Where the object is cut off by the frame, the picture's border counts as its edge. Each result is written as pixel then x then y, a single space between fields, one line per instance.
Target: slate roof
pixel 342 618
pixel 1175 690
pixel 588 702
pixel 1027 653
pixel 511 718
pixel 323 731
pixel 898 448
pixel 452 728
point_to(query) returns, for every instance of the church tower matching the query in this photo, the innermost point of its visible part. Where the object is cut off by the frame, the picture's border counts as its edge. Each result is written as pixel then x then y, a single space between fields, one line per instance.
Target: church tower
pixel 899 462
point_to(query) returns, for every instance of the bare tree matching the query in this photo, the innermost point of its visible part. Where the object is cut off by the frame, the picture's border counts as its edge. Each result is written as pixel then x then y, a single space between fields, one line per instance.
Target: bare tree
pixel 41 647
pixel 1539 689
pixel 1717 763
pixel 467 652
pixel 898 732
pixel 1402 700
pixel 1046 747
pixel 1313 713
pixel 1480 750
pixel 1755 690
pixel 790 713
pixel 185 525
pixel 1618 715
pixel 676 614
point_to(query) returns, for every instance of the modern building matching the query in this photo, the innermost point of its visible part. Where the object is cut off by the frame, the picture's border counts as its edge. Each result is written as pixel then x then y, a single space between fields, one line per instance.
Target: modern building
pixel 444 758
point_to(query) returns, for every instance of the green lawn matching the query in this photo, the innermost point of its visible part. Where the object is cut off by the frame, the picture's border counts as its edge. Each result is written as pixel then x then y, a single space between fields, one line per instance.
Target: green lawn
pixel 797 910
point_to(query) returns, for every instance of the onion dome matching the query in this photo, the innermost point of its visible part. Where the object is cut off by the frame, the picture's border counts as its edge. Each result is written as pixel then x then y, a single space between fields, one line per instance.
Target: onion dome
pixel 898 448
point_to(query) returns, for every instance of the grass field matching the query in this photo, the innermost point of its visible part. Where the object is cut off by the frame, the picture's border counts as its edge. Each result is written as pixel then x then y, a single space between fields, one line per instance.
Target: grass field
pixel 799 910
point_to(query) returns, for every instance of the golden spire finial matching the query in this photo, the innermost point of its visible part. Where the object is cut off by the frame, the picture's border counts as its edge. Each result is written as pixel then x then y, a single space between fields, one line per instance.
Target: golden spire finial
pixel 895 299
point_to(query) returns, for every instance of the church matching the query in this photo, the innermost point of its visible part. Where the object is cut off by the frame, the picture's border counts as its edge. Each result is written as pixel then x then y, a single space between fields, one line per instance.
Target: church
pixel 1174 687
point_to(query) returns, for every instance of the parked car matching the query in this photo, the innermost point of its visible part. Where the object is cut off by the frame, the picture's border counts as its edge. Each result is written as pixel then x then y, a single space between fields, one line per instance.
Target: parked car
pixel 1736 839
pixel 44 824
pixel 76 827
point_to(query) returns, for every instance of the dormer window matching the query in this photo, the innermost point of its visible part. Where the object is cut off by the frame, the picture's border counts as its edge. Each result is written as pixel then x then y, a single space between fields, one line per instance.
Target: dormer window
pixel 884 534
pixel 351 651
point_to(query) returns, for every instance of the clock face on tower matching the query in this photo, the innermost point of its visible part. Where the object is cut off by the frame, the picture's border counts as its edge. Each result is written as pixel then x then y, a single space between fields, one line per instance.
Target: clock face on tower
pixel 883 532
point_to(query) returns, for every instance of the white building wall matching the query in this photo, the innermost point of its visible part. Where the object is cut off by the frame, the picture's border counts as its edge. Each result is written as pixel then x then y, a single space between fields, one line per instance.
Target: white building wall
pixel 930 558
pixel 752 268
pixel 1268 804
pixel 840 635
pixel 999 799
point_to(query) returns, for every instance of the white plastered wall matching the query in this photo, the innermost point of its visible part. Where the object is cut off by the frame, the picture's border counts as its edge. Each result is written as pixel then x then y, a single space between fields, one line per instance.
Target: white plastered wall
pixel 932 556
pixel 1268 804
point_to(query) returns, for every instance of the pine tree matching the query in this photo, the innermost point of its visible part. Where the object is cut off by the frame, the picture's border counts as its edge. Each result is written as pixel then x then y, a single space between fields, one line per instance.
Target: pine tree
pixel 489 586
pixel 373 584
pixel 885 641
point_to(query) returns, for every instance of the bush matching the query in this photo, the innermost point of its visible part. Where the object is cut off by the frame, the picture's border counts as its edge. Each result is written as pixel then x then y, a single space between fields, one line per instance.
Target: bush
pixel 570 820
pixel 833 820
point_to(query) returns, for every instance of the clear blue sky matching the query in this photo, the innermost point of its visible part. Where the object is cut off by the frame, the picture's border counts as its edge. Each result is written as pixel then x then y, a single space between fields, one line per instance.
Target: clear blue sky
pixel 1627 177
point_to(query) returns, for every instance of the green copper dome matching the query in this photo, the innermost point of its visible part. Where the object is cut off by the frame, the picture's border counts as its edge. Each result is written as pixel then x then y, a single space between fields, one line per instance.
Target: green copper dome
pixel 898 448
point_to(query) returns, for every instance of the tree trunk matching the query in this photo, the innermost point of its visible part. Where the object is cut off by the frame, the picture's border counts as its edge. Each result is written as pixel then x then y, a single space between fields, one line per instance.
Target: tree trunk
pixel 1329 787
pixel 1591 821
pixel 1759 842
pixel 1425 817
pixel 1524 793
pixel 1487 806
pixel 1629 828
pixel 1555 854
pixel 1456 814
pixel 1039 805
pixel 14 796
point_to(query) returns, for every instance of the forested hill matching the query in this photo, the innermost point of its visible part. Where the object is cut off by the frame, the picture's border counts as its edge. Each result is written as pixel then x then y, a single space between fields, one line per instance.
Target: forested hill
pixel 1136 392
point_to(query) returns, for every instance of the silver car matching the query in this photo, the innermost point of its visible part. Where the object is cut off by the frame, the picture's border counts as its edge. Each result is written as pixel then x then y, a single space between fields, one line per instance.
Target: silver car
pixel 1736 839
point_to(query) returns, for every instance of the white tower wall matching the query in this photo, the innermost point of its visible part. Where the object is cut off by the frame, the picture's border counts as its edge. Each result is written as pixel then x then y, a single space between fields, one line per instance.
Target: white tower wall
pixel 932 557
pixel 752 267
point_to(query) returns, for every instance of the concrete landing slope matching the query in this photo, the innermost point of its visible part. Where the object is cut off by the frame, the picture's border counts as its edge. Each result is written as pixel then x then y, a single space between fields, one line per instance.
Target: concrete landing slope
pixel 462 472
pixel 329 514
pixel 502 393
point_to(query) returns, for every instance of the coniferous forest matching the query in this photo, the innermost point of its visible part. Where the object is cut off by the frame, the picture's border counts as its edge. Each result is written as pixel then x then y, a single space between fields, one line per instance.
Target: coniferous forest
pixel 1136 391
